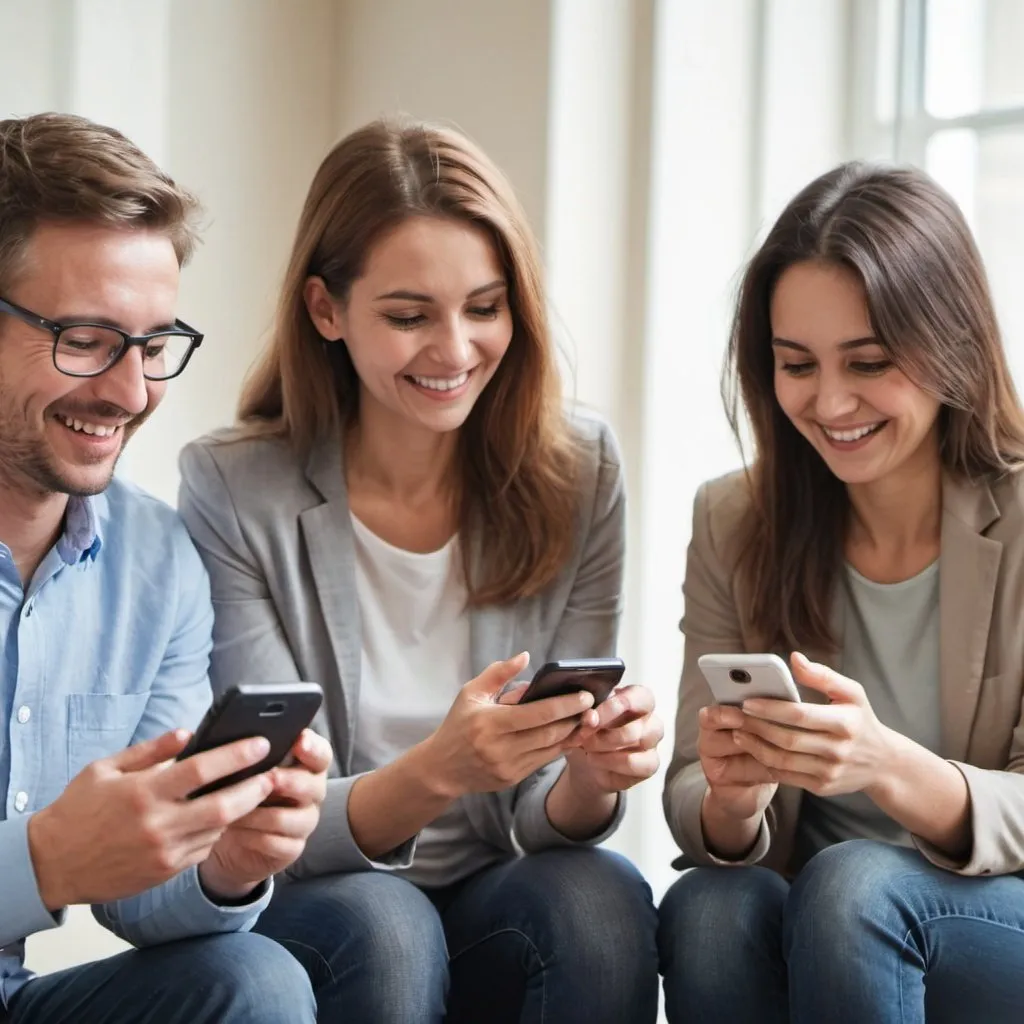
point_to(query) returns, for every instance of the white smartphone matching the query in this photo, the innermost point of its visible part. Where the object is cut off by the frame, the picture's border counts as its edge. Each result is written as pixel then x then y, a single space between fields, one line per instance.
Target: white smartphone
pixel 734 678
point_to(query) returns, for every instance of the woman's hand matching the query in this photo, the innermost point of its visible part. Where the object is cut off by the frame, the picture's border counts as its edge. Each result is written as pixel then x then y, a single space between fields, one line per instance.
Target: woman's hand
pixel 483 745
pixel 739 787
pixel 826 749
pixel 616 745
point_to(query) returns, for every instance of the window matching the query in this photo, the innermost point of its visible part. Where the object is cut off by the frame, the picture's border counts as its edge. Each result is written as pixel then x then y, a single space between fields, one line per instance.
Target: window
pixel 940 84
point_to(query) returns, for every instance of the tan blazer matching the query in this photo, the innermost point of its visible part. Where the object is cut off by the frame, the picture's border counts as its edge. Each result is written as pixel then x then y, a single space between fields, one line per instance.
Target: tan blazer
pixel 981 609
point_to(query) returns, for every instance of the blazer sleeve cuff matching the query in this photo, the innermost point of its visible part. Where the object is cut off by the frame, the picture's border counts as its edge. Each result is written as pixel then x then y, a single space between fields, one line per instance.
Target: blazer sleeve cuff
pixel 532 830
pixel 997 824
pixel 685 799
pixel 332 849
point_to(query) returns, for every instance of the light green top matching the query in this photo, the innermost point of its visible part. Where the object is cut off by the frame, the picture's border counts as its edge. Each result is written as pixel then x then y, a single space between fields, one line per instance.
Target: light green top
pixel 890 647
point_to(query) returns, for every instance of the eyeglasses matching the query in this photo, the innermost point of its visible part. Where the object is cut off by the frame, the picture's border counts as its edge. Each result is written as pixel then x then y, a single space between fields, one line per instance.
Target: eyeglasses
pixel 87 350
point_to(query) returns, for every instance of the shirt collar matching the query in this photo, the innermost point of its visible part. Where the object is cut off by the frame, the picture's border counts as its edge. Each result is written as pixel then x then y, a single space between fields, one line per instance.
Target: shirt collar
pixel 81 540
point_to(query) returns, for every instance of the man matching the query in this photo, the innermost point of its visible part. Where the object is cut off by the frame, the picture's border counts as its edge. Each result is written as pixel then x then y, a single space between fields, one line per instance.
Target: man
pixel 105 622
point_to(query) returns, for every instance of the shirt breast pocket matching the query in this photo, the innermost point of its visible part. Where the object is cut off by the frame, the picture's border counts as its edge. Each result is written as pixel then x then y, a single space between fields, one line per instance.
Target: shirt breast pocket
pixel 101 724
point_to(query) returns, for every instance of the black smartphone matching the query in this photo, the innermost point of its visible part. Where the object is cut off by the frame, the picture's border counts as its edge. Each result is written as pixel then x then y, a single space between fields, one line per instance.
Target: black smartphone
pixel 278 711
pixel 598 676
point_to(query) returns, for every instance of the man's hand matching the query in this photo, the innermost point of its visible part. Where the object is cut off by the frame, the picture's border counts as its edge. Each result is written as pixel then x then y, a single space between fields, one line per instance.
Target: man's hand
pixel 124 823
pixel 272 837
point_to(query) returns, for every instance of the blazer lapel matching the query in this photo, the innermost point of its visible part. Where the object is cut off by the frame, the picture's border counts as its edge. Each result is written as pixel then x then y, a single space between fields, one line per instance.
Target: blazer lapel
pixel 327 530
pixel 968 571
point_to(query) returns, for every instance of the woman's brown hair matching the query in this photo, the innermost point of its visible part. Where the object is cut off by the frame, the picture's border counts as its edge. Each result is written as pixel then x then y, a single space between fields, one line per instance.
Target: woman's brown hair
pixel 516 463
pixel 931 311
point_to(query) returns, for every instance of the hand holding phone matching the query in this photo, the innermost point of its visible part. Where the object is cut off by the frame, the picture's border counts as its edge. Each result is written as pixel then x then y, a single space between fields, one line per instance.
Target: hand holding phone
pixel 739 787
pixel 486 744
pixel 277 711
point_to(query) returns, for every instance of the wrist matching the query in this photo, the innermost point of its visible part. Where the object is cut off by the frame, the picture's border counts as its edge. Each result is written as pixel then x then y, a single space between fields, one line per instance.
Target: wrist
pixel 581 782
pixel 882 788
pixel 219 885
pixel 44 846
pixel 723 811
pixel 727 836
pixel 424 770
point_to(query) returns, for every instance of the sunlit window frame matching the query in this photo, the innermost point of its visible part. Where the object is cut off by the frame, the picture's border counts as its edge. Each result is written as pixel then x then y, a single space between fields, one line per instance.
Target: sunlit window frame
pixel 905 138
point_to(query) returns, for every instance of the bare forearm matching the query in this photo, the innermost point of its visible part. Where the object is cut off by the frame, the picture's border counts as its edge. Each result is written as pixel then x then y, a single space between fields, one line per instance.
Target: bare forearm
pixel 576 811
pixel 725 836
pixel 928 796
pixel 389 806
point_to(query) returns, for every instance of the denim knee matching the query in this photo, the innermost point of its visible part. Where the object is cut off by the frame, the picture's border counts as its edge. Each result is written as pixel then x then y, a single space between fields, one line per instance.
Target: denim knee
pixel 564 934
pixel 592 901
pixel 712 920
pixel 371 942
pixel 250 979
pixel 397 929
pixel 845 889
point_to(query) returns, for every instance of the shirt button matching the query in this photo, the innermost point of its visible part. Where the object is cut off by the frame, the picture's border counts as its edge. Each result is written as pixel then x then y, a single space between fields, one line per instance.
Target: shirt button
pixel 24 713
pixel 28 610
pixel 21 802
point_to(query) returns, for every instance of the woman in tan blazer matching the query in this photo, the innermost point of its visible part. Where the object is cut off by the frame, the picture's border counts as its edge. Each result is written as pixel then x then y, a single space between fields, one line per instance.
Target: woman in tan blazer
pixel 857 854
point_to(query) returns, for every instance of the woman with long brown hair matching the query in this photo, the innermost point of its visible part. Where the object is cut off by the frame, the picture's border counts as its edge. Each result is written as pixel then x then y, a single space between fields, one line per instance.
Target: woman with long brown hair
pixel 858 853
pixel 404 506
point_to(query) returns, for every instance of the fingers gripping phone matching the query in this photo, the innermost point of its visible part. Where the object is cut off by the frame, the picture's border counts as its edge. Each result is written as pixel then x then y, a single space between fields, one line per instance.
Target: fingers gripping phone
pixel 598 676
pixel 277 711
pixel 733 678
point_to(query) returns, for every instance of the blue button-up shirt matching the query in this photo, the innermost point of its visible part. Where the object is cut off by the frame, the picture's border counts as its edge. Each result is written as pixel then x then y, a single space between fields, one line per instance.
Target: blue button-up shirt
pixel 107 646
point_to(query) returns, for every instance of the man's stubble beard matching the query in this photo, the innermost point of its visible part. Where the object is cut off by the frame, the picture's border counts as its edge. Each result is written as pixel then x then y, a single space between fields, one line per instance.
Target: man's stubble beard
pixel 27 462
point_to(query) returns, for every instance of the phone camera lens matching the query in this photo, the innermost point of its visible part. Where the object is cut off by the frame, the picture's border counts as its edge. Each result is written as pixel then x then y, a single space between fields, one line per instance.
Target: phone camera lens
pixel 739 675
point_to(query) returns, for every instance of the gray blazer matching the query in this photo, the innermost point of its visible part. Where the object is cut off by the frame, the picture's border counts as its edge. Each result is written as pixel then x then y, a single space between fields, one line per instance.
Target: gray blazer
pixel 276 537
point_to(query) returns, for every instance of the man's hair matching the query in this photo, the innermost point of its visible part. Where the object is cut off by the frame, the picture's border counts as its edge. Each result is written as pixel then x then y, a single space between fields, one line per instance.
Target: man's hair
pixel 62 168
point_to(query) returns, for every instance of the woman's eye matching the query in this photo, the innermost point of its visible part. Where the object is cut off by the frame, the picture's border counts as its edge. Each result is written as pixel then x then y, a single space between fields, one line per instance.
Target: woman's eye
pixel 485 312
pixel 797 369
pixel 871 368
pixel 404 322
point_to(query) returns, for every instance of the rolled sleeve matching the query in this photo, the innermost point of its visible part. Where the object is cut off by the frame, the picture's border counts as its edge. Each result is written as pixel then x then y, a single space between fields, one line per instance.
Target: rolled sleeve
pixel 997 824
pixel 332 849
pixel 532 830
pixel 179 909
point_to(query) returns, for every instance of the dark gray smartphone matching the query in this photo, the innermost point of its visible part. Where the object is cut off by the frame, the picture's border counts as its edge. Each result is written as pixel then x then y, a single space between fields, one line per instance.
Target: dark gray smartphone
pixel 278 711
pixel 599 676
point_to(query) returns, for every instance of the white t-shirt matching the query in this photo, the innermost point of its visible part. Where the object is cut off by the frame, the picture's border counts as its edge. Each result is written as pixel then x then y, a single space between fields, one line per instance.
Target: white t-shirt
pixel 415 659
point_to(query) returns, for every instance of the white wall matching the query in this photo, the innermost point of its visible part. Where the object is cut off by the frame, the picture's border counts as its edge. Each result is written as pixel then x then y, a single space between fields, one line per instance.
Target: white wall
pixel 482 66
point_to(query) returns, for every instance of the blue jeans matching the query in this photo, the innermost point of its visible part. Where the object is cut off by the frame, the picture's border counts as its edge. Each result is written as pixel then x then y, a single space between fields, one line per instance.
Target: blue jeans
pixel 867 933
pixel 561 936
pixel 236 978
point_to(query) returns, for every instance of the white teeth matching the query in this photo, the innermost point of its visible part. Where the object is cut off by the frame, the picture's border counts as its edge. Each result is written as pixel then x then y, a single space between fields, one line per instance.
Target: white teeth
pixel 850 435
pixel 98 429
pixel 440 383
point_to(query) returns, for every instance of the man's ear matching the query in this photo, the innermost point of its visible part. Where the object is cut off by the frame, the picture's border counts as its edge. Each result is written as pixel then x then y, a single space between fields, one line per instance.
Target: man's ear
pixel 324 310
